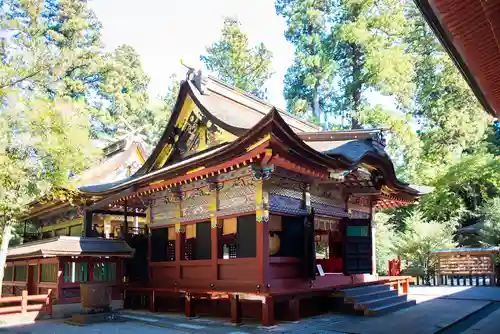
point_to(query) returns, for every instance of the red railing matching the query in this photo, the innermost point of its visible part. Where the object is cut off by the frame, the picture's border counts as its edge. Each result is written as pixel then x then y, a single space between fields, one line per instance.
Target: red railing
pixel 25 306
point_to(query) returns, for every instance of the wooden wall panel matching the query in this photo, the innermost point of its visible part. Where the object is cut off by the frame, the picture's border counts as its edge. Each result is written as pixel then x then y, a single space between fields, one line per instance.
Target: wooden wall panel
pixel 199 272
pixel 246 271
pixel 285 270
pixel 162 275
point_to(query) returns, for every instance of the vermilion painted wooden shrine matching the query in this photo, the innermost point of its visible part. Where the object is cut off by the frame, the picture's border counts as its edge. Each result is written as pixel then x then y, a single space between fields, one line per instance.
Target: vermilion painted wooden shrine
pixel 246 207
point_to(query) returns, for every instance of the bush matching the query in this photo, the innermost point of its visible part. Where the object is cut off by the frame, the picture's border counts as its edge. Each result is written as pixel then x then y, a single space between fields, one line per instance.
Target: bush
pixel 489 234
pixel 384 240
pixel 420 237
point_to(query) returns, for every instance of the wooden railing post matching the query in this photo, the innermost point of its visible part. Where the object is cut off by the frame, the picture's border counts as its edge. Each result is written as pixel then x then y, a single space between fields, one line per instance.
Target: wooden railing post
pixel 48 302
pixel 406 286
pixel 24 301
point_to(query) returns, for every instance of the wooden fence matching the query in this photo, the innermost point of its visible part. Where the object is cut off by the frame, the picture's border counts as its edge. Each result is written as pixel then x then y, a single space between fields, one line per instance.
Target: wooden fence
pixel 456 280
pixel 41 303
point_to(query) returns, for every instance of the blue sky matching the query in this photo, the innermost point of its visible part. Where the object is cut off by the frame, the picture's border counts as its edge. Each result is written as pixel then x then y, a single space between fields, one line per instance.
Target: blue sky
pixel 165 31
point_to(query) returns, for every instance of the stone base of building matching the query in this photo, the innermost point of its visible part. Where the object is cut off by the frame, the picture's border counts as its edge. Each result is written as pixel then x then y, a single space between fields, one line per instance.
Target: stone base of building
pixel 68 310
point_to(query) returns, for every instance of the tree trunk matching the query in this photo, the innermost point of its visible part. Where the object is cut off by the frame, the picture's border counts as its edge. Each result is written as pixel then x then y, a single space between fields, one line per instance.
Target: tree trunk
pixel 316 109
pixel 6 236
pixel 357 85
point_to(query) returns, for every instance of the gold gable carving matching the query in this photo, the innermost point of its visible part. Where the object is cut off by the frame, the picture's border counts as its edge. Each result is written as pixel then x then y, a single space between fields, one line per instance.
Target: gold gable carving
pixel 197 133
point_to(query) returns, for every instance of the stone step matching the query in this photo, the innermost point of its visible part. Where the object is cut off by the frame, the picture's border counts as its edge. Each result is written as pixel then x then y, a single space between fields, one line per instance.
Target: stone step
pixel 363 290
pixel 372 303
pixel 384 309
pixel 370 296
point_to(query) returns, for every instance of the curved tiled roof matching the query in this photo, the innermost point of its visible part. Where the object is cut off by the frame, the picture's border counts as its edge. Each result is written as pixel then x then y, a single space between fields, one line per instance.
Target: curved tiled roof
pixel 71 246
pixel 469 30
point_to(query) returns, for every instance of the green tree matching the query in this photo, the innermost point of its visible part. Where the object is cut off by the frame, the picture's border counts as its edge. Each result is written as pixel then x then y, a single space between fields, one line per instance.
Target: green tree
pixel 161 111
pixel 54 78
pixel 42 142
pixel 55 46
pixel 420 238
pixel 363 40
pixel 385 235
pixel 451 120
pixel 120 91
pixel 309 80
pixel 463 189
pixel 235 62
pixel 371 56
pixel 489 234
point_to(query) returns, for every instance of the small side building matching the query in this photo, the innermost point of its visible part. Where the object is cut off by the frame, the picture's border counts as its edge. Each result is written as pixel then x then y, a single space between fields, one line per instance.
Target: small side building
pixel 57 254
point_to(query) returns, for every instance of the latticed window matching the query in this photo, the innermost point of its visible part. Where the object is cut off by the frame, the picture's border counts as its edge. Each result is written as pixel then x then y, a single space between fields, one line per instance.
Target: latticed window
pixel 8 273
pixel 189 249
pixel 49 272
pixel 171 250
pixel 197 242
pixel 104 271
pixel 163 244
pixel 238 238
pixel 76 272
pixel 36 268
pixel 21 273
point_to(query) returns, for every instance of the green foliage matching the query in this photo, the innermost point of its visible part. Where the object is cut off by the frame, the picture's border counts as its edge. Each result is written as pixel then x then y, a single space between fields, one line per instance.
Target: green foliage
pixel 450 118
pixel 42 143
pixel 344 49
pixel 310 78
pixel 57 87
pixel 121 90
pixel 489 234
pixel 414 245
pixel 161 111
pixel 385 237
pixel 463 189
pixel 55 46
pixel 236 63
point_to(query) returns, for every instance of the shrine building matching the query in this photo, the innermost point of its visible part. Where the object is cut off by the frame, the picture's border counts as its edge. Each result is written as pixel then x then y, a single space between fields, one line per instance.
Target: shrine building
pixel 240 205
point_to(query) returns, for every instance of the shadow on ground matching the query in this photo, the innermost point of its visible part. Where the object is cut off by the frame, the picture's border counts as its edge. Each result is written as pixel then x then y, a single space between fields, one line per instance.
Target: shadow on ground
pixel 445 310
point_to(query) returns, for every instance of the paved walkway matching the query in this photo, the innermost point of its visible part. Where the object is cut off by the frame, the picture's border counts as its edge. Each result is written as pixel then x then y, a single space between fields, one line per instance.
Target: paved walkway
pixel 445 310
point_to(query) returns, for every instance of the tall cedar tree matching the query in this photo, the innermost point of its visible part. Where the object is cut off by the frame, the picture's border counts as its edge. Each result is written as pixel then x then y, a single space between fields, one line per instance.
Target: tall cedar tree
pixel 235 62
pixel 309 80
pixel 450 119
pixel 362 37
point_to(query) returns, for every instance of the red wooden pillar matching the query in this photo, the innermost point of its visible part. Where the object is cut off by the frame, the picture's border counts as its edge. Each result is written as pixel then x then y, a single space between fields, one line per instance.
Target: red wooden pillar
pixel 60 276
pixel 149 256
pixel 152 306
pixel 263 253
pixel 268 311
pixel 179 243
pixel 214 236
pixel 294 309
pixel 235 309
pixel 189 306
pixel 39 277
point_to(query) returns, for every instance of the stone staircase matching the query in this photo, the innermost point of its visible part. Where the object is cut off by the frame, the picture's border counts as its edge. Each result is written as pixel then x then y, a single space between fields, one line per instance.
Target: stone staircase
pixel 372 300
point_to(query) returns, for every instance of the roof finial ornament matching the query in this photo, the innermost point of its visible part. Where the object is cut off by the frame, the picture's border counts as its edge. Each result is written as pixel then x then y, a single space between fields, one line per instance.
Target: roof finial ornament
pixel 197 78
pixel 190 71
pixel 200 81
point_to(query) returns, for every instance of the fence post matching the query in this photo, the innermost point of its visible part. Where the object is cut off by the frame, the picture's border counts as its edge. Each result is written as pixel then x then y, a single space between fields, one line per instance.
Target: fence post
pixel 406 286
pixel 48 302
pixel 24 301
